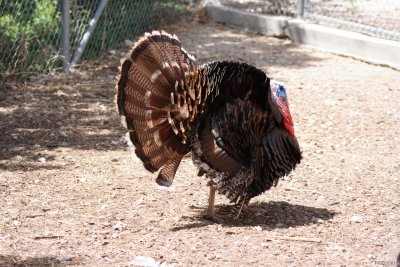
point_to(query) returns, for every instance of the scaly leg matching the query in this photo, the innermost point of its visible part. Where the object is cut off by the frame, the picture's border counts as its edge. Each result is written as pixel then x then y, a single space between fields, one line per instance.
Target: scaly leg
pixel 211 201
pixel 211 209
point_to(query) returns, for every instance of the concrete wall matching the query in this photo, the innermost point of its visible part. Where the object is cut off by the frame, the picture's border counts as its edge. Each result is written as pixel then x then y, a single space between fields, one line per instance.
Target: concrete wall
pixel 353 44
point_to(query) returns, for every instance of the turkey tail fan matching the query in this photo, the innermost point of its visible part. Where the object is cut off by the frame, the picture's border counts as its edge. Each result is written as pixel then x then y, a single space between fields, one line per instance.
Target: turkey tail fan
pixel 146 89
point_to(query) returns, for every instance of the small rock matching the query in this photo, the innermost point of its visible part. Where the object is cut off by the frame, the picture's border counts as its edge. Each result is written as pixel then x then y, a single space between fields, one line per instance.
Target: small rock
pixel 120 226
pixel 143 261
pixel 237 243
pixel 112 52
pixel 371 256
pixel 316 220
pixel 338 248
pixel 42 159
pixel 356 218
pixel 64 258
pixel 140 201
pixel 258 228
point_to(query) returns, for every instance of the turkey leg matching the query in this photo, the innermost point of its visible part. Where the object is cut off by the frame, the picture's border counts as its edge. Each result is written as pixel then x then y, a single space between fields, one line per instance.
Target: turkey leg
pixel 211 209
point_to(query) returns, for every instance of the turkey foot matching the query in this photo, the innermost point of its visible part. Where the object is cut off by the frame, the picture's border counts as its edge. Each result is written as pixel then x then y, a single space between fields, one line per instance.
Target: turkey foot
pixel 244 207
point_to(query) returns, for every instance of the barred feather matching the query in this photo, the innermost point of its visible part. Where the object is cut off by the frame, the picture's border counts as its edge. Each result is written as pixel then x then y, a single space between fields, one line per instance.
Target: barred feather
pixel 148 77
pixel 225 113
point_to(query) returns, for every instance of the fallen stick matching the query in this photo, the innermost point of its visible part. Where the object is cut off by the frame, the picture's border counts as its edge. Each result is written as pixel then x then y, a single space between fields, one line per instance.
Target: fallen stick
pixel 294 189
pixel 289 238
pixel 47 237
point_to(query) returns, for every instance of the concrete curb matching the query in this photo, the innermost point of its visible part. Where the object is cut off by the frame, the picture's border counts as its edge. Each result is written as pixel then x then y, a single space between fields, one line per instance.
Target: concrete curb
pixel 371 49
pixel 264 24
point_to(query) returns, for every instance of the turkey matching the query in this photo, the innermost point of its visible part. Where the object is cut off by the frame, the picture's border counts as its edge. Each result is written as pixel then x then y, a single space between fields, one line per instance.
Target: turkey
pixel 232 118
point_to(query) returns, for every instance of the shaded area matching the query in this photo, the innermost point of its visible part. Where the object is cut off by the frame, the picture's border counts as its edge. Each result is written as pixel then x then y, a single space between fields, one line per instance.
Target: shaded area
pixel 69 111
pixel 14 261
pixel 271 215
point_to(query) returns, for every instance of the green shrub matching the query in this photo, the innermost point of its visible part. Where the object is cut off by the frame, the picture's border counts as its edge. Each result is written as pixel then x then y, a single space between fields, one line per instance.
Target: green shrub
pixel 30 30
pixel 29 35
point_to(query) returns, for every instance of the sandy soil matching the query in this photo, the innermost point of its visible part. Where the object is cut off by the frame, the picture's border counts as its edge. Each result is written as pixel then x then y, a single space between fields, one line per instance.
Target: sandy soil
pixel 71 194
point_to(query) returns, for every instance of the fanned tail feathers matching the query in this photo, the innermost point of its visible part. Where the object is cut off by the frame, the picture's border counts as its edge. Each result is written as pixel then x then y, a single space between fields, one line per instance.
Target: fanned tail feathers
pixel 152 102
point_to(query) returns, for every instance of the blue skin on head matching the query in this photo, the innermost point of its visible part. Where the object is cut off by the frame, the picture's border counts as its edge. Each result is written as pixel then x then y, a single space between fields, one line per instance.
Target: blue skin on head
pixel 278 88
pixel 279 96
pixel 281 91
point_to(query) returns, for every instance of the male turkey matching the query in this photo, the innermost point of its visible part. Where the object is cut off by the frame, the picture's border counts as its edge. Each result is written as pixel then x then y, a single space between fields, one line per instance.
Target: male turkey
pixel 231 116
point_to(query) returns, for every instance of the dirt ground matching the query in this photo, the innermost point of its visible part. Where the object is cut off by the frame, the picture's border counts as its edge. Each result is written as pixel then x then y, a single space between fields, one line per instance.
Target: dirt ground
pixel 72 194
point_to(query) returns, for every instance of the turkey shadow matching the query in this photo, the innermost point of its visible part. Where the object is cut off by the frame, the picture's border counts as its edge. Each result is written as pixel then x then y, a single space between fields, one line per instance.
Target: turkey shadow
pixel 270 215
pixel 10 260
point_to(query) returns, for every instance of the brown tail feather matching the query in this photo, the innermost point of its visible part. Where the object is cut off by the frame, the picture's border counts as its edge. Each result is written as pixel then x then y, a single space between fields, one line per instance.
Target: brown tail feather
pixel 165 177
pixel 150 104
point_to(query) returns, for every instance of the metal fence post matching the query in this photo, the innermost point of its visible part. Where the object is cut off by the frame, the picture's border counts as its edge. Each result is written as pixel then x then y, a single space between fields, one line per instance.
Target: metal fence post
pixel 88 33
pixel 300 9
pixel 64 6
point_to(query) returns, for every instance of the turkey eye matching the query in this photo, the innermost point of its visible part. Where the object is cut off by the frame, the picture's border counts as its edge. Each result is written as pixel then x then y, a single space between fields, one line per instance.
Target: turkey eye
pixel 281 91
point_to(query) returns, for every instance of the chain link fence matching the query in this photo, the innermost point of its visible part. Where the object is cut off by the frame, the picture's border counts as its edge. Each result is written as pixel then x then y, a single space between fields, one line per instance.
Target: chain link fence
pixel 380 18
pixel 31 31
pixel 270 7
pixel 29 35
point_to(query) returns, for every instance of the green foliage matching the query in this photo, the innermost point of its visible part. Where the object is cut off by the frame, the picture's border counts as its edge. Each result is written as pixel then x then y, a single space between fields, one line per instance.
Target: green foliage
pixel 127 19
pixel 29 35
pixel 30 30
